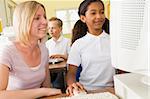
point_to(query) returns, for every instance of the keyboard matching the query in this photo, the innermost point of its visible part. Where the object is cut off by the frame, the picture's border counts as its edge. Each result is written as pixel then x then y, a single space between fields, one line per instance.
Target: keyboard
pixel 56 60
pixel 103 95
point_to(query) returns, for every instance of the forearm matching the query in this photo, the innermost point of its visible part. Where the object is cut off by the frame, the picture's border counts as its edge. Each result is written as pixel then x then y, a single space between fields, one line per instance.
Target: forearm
pixel 23 94
pixel 47 81
pixel 71 74
pixel 71 78
pixel 73 86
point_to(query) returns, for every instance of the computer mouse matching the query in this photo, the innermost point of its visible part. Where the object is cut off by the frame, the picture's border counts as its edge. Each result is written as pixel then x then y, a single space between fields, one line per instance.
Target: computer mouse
pixel 79 92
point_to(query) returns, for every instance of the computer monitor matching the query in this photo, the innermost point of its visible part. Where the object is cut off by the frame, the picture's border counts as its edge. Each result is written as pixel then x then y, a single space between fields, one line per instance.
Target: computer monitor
pixel 130 35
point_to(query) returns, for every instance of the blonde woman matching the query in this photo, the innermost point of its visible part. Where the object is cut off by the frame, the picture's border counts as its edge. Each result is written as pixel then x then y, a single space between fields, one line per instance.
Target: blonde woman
pixel 24 62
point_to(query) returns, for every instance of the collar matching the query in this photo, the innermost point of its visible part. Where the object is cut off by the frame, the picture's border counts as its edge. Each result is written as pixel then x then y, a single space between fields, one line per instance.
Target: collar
pixel 102 35
pixel 59 39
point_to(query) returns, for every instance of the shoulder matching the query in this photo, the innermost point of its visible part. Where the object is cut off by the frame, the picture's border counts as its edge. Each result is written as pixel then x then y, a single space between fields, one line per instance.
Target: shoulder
pixel 44 51
pixel 7 54
pixel 7 47
pixel 105 38
pixel 82 40
pixel 79 43
pixel 106 35
pixel 66 39
pixel 49 43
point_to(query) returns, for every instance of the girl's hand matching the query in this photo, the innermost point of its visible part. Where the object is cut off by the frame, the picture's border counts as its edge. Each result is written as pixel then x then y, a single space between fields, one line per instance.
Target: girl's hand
pixel 75 88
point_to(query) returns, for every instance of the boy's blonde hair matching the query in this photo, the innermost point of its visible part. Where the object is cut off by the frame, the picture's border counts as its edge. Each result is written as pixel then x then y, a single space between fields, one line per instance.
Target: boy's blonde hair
pixel 59 21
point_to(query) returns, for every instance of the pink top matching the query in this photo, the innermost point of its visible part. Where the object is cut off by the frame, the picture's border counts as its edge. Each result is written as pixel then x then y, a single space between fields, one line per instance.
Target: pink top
pixel 21 76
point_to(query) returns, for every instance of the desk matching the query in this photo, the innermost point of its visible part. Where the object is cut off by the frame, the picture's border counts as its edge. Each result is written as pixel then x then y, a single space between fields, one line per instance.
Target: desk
pixel 57 68
pixel 106 89
pixel 58 65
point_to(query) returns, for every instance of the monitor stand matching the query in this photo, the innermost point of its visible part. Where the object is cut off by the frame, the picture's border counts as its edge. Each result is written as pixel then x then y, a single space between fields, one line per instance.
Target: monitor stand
pixel 146 80
pixel 129 86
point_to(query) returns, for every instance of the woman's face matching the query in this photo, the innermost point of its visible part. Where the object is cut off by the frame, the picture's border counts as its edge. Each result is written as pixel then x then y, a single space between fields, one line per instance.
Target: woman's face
pixel 94 17
pixel 39 24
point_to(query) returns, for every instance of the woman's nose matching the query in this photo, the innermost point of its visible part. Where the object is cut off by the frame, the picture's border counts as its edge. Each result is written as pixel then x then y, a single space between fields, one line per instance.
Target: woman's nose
pixel 44 21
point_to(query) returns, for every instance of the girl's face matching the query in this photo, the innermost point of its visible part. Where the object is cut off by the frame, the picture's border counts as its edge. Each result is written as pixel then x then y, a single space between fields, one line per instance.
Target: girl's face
pixel 94 17
pixel 39 25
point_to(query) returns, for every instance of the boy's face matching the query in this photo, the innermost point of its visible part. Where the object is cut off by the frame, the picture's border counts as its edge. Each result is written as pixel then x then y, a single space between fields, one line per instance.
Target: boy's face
pixel 53 29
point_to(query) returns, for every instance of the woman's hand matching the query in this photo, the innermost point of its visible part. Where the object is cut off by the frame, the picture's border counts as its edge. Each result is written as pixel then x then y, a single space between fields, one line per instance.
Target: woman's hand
pixel 75 88
pixel 51 91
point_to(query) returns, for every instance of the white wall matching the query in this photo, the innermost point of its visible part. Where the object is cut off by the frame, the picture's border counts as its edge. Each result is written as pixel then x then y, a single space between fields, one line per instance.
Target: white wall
pixel 3 15
pixel 6 12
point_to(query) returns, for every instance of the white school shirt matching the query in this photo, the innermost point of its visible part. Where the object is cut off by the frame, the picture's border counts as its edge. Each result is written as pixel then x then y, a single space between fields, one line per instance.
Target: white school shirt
pixel 93 53
pixel 61 46
pixel 21 76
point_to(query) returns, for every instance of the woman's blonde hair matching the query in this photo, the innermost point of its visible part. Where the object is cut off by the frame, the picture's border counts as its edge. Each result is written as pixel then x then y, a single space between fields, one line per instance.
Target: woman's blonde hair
pixel 22 19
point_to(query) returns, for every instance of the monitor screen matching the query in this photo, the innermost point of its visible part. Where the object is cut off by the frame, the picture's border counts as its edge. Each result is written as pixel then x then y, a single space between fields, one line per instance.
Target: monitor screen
pixel 130 35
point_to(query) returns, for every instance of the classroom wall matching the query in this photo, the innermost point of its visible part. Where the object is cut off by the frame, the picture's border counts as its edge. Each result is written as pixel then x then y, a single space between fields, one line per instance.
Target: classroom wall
pixel 51 7
pixel 2 13
pixel 6 11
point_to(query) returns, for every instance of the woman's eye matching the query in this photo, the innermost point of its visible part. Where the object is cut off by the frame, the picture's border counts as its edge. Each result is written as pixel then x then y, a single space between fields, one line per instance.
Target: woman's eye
pixel 102 12
pixel 45 16
pixel 37 18
pixel 93 13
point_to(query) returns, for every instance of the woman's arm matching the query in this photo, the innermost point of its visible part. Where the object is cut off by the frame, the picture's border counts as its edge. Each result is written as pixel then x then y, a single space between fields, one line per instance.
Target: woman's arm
pixel 4 75
pixel 47 82
pixel 28 94
pixel 21 94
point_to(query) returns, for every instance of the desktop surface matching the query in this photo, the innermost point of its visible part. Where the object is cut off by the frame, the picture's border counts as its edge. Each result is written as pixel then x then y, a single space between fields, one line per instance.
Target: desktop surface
pixel 100 90
pixel 103 95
